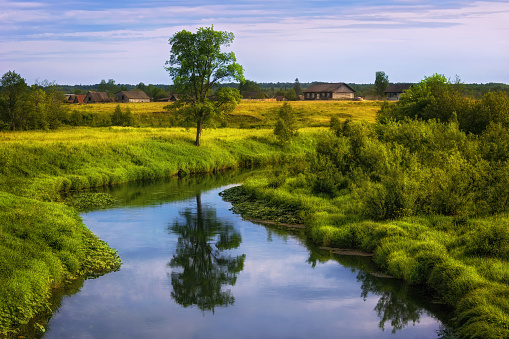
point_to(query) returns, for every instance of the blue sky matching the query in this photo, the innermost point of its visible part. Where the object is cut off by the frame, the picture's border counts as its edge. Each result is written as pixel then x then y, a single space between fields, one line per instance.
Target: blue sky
pixel 276 41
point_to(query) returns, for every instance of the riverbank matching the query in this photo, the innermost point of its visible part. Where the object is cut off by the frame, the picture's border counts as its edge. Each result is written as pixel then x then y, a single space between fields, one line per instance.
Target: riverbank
pixel 429 202
pixel 44 243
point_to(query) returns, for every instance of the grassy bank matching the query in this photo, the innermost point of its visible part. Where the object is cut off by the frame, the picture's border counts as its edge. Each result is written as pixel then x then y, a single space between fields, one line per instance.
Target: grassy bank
pixel 44 244
pixel 429 201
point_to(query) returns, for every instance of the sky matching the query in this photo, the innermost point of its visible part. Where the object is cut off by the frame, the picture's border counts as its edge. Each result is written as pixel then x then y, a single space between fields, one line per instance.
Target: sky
pixel 83 42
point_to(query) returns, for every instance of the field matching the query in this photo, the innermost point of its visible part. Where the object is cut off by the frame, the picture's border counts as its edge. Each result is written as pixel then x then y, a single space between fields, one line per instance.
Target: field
pixel 248 114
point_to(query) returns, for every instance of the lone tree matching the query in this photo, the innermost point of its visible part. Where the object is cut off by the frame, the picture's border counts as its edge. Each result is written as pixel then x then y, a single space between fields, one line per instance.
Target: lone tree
pixel 12 91
pixel 196 66
pixel 381 83
pixel 285 128
pixel 297 88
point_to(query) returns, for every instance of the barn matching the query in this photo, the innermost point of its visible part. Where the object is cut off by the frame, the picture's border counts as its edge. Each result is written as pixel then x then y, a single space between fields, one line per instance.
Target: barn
pixel 329 91
pixel 131 96
pixel 79 99
pixel 95 97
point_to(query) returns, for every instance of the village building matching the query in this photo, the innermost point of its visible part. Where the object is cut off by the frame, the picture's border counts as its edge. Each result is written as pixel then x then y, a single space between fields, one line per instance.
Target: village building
pixel 329 91
pixel 131 96
pixel 96 97
pixel 393 91
pixel 172 98
pixel 79 99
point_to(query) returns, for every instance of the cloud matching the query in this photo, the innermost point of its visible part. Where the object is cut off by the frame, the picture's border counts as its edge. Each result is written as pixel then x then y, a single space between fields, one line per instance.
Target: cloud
pixel 274 41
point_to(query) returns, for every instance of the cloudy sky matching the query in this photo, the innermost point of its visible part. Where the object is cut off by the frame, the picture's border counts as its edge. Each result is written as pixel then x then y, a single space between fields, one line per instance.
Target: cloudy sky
pixel 82 42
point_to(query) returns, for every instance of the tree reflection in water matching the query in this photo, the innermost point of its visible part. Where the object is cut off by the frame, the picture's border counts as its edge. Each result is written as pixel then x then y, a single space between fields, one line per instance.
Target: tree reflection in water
pixel 394 305
pixel 399 304
pixel 199 266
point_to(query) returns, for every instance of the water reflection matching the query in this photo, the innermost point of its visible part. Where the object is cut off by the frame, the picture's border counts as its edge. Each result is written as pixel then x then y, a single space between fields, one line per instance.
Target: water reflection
pixel 394 305
pixel 200 266
pixel 181 253
pixel 399 304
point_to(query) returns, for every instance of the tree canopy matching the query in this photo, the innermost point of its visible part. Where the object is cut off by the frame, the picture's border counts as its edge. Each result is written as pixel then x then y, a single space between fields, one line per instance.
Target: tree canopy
pixel 197 65
pixel 249 86
pixel 297 88
pixel 13 89
pixel 381 83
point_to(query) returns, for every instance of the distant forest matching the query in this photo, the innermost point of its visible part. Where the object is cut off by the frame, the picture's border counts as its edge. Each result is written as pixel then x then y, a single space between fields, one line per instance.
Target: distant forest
pixel 271 89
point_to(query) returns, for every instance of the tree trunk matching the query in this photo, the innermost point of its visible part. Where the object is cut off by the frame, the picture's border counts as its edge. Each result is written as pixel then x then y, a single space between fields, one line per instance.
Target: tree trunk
pixel 199 126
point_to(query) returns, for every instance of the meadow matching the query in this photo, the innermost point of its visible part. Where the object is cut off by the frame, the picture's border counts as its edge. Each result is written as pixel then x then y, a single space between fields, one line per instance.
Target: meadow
pixel 248 114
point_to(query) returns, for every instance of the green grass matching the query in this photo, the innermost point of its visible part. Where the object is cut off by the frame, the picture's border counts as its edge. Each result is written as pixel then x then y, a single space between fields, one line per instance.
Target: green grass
pixel 42 246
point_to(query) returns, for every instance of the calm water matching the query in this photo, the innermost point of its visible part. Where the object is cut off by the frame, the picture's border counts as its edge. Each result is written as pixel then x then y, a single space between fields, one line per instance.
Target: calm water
pixel 192 269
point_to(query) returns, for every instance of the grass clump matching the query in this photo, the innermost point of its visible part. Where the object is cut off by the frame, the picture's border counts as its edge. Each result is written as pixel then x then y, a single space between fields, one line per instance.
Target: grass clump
pixel 42 246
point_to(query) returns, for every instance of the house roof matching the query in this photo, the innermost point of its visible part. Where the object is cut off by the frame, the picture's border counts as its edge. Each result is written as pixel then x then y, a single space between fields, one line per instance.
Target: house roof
pixel 134 94
pixel 339 87
pixel 79 98
pixel 397 88
pixel 99 96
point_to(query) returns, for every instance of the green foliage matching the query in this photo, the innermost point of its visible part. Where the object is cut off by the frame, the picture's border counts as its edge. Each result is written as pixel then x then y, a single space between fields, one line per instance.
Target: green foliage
pixel 291 94
pixel 437 98
pixel 42 245
pixel 285 128
pixel 24 108
pixel 250 206
pixel 249 86
pixel 196 65
pixel 433 98
pixel 109 87
pixel 492 108
pixel 381 83
pixel 89 201
pixel 297 88
pixel 120 118
pixel 12 95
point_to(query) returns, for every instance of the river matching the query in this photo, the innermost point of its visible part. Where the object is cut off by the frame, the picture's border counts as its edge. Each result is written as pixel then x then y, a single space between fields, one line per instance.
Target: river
pixel 193 269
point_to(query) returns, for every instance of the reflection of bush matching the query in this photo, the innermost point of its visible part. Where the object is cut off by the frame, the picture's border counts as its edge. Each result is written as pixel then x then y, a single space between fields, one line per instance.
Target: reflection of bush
pixel 394 305
pixel 399 304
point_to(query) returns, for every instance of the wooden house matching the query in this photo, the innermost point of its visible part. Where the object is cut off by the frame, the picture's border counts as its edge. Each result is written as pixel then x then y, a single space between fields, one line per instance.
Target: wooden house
pixel 329 91
pixel 172 98
pixel 96 97
pixel 69 98
pixel 393 91
pixel 131 96
pixel 79 99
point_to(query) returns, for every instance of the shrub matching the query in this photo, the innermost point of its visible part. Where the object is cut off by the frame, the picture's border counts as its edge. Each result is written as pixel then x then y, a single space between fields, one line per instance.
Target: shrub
pixel 285 128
